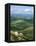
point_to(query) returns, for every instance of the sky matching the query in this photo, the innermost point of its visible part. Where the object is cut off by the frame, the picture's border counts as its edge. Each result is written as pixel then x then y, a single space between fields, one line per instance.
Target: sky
pixel 21 9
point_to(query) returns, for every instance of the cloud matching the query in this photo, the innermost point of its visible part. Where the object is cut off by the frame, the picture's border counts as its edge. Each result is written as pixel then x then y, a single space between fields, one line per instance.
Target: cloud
pixel 27 10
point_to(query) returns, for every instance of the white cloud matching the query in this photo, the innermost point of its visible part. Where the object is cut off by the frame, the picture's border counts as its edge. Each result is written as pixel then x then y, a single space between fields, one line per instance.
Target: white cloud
pixel 27 10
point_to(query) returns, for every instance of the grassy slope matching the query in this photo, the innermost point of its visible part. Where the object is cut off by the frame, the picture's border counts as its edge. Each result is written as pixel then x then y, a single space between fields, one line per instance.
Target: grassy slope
pixel 24 27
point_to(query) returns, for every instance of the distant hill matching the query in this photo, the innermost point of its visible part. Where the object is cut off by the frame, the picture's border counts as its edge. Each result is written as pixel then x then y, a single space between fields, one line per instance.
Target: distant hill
pixel 25 16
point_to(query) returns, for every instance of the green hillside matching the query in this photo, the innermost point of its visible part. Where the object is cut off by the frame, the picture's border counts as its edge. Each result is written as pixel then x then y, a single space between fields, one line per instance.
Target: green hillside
pixel 22 27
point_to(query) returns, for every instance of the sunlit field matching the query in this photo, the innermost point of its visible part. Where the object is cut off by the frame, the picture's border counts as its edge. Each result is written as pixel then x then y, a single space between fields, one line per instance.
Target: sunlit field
pixel 21 26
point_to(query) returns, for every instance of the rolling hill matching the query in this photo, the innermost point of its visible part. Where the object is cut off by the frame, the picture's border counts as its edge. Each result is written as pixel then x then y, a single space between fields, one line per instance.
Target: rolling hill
pixel 22 26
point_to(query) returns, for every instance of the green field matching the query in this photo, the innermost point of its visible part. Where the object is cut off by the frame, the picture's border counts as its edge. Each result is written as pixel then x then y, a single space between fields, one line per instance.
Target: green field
pixel 21 29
